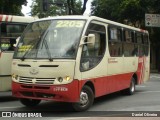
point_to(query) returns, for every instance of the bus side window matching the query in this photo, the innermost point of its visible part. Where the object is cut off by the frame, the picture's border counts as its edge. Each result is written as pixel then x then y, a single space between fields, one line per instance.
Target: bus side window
pixel 129 46
pixel 12 42
pixel 146 44
pixel 115 41
pixel 139 40
pixel 92 55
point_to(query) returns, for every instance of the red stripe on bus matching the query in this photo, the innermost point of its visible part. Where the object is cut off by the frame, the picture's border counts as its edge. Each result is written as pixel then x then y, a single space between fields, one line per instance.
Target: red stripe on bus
pixel 1 17
pixel 70 94
pixel 142 79
pixel 11 18
pixel 6 18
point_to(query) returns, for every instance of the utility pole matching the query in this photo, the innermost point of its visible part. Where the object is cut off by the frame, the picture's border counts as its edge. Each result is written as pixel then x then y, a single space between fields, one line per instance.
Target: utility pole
pixel 44 5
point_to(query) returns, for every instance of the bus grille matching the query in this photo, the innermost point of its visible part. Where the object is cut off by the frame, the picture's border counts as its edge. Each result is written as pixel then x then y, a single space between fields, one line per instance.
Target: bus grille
pixel 39 81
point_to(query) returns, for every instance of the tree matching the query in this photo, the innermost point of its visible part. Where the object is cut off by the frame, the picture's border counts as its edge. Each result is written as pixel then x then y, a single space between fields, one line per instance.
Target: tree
pixel 36 9
pixel 59 7
pixel 74 7
pixel 131 12
pixel 84 6
pixel 12 7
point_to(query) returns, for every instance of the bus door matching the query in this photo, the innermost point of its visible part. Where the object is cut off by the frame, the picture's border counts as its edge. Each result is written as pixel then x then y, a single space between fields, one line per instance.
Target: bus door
pixel 5 64
pixel 93 63
pixel 115 60
pixel 8 34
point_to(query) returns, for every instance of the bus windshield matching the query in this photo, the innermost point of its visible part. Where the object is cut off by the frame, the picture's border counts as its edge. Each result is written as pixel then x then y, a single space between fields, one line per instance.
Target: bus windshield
pixel 9 33
pixel 50 40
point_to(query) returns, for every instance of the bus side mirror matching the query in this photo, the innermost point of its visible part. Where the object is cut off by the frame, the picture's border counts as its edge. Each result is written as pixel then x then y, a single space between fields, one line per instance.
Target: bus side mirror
pixel 17 40
pixel 90 40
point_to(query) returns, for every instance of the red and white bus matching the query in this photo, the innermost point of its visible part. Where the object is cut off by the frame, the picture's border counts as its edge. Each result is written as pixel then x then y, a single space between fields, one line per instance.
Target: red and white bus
pixel 11 27
pixel 77 58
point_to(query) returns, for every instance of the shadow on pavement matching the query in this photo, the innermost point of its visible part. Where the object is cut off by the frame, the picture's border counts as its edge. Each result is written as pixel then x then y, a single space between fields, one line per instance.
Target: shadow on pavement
pixel 6 97
pixel 59 109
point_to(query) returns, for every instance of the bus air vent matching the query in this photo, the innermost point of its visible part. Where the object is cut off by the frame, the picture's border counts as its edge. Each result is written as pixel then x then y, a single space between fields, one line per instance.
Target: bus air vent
pixel 37 81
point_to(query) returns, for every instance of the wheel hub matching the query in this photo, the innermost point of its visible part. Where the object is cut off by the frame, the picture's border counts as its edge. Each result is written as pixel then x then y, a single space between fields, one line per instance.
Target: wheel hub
pixel 83 98
pixel 132 87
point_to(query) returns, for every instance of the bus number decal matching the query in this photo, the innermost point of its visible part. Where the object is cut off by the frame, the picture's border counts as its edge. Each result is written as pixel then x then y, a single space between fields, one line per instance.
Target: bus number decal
pixel 5 45
pixel 69 23
pixel 24 48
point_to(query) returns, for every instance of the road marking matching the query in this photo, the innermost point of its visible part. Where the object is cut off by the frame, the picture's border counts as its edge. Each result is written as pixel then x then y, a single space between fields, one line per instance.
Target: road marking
pixel 140 86
pixel 154 77
pixel 10 107
pixel 73 118
pixel 150 92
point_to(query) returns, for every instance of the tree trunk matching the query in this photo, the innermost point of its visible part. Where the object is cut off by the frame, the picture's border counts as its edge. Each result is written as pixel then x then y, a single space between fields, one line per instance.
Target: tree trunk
pixel 84 6
pixel 72 7
pixel 69 7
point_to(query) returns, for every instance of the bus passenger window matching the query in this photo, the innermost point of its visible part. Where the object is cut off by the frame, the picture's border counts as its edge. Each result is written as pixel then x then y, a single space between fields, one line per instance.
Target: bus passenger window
pixel 128 44
pixel 146 44
pixel 129 49
pixel 139 40
pixel 135 51
pixel 9 32
pixel 115 41
pixel 92 55
pixel 12 42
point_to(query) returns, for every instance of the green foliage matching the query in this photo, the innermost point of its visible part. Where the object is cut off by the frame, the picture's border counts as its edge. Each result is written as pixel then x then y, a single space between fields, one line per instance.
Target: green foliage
pixel 12 7
pixel 106 8
pixel 68 7
pixel 119 10
pixel 36 9
pixel 129 12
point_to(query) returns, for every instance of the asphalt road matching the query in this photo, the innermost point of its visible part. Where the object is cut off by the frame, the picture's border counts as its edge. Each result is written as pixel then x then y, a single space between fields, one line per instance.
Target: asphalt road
pixel 146 100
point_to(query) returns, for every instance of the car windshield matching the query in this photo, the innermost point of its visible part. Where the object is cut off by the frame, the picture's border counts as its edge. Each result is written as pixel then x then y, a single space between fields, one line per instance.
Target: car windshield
pixel 50 40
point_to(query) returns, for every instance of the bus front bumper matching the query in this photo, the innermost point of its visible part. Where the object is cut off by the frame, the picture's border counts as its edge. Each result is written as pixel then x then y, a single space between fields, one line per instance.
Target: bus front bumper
pixel 64 93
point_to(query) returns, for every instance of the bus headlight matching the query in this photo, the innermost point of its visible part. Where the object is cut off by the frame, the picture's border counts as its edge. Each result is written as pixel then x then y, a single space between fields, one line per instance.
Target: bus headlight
pixel 14 77
pixel 67 78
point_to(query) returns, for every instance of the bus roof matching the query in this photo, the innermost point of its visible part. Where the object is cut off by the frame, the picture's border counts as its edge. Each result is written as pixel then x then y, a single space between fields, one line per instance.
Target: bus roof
pixel 12 18
pixel 90 18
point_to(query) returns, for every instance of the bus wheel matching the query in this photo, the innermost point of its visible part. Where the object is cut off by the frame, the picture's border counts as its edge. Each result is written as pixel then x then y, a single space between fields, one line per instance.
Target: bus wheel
pixel 29 102
pixel 131 89
pixel 86 99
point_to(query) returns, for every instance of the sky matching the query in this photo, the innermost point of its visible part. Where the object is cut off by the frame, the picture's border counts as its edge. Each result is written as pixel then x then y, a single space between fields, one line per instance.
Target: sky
pixel 26 9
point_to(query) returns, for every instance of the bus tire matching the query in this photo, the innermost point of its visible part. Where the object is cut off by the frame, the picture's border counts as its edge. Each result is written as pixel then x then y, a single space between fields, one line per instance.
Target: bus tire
pixel 131 89
pixel 86 99
pixel 29 102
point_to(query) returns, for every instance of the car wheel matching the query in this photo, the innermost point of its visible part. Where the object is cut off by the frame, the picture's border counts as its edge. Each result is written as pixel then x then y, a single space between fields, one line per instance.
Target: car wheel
pixel 131 89
pixel 86 99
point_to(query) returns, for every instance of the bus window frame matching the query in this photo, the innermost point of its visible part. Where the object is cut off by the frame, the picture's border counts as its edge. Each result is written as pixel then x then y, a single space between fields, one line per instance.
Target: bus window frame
pixel 5 37
pixel 86 33
pixel 132 42
pixel 142 44
pixel 120 41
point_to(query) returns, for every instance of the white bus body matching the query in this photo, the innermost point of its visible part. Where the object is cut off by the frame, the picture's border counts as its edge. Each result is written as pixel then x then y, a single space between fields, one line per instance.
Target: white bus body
pixel 78 58
pixel 11 27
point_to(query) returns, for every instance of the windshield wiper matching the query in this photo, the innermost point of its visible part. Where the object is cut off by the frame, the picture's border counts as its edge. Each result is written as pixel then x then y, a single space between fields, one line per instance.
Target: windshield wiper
pixel 31 47
pixel 48 52
pixel 23 57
